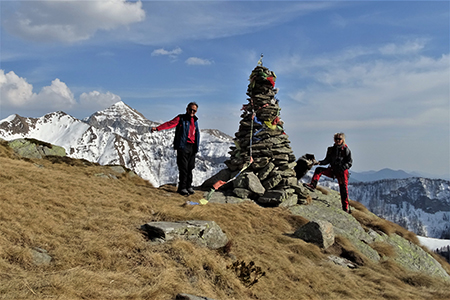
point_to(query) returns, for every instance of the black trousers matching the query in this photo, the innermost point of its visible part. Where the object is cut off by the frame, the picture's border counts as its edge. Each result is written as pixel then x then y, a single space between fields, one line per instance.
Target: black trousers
pixel 186 163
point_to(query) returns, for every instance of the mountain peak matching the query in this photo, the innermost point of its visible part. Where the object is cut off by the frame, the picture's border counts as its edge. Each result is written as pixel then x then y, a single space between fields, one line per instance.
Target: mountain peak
pixel 119 112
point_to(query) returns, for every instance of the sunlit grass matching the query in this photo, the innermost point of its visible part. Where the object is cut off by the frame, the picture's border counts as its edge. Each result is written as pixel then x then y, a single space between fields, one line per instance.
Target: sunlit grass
pixel 90 227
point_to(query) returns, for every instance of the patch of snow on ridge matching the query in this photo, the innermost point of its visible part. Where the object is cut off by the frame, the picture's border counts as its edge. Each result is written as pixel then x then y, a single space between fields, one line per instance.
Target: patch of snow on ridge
pixel 8 119
pixel 432 243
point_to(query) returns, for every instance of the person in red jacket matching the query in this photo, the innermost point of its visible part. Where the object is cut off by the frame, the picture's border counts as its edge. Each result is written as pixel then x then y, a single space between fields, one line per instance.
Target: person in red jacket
pixel 186 142
pixel 339 158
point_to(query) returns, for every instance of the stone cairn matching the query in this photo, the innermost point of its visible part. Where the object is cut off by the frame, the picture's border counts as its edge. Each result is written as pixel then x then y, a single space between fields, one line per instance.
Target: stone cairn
pixel 261 162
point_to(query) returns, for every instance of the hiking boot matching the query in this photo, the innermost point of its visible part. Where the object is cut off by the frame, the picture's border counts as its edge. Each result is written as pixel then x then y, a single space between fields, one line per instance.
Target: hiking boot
pixel 190 191
pixel 183 192
pixel 309 186
pixel 348 210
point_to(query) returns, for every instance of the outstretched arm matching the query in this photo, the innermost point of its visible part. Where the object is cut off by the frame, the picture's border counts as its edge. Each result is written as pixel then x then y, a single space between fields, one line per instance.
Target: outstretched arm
pixel 167 125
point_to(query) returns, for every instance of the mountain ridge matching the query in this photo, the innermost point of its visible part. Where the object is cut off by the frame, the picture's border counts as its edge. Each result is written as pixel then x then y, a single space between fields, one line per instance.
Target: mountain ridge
pixel 387 173
pixel 120 135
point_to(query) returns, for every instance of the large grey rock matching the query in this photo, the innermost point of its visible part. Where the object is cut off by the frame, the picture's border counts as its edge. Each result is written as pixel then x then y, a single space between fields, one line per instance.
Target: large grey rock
pixel 271 182
pixel 272 197
pixel 31 148
pixel 290 201
pixel 300 190
pixel 264 172
pixel 411 256
pixel 408 255
pixel 205 233
pixel 249 181
pixel 319 232
pixel 329 208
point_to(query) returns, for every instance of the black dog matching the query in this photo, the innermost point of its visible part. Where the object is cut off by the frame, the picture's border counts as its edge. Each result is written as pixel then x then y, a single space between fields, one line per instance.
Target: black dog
pixel 304 164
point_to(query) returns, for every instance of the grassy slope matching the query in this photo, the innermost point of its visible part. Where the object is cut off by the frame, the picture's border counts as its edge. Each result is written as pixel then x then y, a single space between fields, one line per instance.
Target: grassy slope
pixel 90 226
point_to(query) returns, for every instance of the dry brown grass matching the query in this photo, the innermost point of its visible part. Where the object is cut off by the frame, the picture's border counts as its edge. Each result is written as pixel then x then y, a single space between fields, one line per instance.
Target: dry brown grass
pixel 383 249
pixel 90 226
pixel 323 190
pixel 369 220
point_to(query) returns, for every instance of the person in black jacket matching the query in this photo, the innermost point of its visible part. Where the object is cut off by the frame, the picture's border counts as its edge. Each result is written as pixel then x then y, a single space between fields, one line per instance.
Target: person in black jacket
pixel 339 159
pixel 186 142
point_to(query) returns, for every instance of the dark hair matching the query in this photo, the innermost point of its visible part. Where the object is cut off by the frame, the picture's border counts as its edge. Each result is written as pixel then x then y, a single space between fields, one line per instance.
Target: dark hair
pixel 192 103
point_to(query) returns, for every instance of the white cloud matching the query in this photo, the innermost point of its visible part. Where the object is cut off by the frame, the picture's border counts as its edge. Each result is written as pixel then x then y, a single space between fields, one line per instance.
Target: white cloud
pixel 196 20
pixel 409 47
pixel 172 53
pixel 95 99
pixel 71 21
pixel 392 87
pixel 57 95
pixel 198 61
pixel 16 92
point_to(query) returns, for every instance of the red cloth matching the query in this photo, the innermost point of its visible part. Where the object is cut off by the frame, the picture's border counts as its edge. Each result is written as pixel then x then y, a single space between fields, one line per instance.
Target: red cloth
pixel 174 122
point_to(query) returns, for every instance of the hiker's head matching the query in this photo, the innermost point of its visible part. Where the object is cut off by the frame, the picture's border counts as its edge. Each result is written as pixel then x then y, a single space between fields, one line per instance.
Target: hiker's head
pixel 191 108
pixel 339 138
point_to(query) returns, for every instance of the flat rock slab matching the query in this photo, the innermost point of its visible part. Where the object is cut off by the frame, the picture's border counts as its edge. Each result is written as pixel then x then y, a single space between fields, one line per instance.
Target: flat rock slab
pixel 204 233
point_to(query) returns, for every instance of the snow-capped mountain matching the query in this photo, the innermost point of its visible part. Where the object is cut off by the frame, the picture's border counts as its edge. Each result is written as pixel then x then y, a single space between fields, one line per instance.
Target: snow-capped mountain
pixel 419 204
pixel 121 135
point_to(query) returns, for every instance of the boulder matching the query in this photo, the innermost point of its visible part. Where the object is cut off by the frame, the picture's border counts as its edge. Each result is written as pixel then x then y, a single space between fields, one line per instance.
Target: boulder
pixel 249 181
pixel 320 233
pixel 204 233
pixel 31 148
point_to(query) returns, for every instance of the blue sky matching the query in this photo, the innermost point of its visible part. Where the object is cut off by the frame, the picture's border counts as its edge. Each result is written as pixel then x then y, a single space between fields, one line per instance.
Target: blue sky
pixel 377 70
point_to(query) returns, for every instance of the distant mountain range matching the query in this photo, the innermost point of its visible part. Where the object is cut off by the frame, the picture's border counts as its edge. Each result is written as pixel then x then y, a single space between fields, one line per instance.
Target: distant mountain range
pixel 388 174
pixel 121 135
pixel 378 175
pixel 421 205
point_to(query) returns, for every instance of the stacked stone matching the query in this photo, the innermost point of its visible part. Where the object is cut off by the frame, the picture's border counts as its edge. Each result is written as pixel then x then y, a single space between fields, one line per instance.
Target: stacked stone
pixel 262 148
